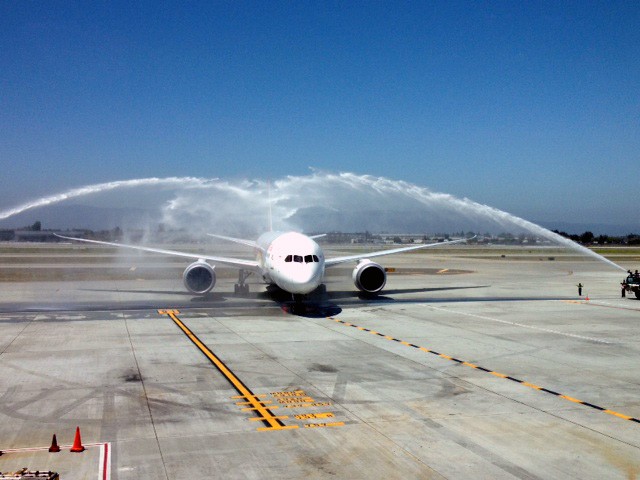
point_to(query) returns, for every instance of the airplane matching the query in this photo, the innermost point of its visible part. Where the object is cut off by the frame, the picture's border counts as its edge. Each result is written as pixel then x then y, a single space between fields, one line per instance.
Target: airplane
pixel 291 260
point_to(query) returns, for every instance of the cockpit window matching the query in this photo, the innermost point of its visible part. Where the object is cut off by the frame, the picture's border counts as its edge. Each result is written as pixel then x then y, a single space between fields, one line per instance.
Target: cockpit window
pixel 302 259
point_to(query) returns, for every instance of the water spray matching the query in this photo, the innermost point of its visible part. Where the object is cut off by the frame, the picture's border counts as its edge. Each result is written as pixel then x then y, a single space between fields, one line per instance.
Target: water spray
pixel 213 204
pixel 186 182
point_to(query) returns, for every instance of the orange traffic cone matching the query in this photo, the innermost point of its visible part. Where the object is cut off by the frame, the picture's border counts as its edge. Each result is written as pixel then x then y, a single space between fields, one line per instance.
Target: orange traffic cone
pixel 77 442
pixel 54 445
pixel 587 297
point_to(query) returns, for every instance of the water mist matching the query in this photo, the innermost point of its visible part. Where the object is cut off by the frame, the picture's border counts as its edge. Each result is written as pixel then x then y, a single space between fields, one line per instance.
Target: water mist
pixel 318 202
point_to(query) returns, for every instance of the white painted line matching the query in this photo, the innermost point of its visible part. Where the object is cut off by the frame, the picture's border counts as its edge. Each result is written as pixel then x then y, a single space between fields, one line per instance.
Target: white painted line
pixel 547 330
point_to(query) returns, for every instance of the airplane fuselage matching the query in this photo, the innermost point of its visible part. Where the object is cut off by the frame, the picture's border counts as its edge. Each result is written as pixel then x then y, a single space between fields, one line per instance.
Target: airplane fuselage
pixel 292 261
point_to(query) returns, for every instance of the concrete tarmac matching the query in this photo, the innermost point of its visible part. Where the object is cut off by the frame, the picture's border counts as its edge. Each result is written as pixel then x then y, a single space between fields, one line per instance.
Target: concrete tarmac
pixel 468 366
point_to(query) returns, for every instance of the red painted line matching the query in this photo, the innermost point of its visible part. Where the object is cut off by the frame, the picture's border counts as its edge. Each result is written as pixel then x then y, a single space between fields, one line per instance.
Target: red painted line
pixel 106 471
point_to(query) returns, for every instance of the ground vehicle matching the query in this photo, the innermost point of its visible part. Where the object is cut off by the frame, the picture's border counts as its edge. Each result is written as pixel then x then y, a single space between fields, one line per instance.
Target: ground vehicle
pixel 631 284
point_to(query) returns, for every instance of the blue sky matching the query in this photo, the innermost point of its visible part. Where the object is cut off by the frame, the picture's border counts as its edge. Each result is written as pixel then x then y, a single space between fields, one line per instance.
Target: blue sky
pixel 530 107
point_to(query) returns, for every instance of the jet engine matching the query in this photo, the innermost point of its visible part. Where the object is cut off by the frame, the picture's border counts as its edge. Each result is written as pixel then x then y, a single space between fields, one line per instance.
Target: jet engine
pixel 369 277
pixel 199 277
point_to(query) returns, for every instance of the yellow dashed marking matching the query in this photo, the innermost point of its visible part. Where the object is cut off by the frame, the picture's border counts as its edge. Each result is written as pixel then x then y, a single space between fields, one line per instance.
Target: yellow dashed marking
pixel 571 399
pixel 611 412
pixel 527 384
pixel 497 374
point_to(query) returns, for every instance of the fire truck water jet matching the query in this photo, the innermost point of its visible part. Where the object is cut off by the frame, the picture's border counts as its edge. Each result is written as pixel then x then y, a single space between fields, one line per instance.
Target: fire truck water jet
pixel 318 201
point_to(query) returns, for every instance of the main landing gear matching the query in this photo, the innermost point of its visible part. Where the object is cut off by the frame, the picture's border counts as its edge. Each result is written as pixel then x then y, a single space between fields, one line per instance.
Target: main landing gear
pixel 241 288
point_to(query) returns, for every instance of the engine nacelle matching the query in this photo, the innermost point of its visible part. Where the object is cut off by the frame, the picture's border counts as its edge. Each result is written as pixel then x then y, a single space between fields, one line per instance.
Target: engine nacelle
pixel 199 277
pixel 369 277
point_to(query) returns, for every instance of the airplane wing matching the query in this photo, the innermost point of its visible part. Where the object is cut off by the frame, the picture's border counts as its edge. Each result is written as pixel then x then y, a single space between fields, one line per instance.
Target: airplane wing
pixel 242 241
pixel 234 262
pixel 329 262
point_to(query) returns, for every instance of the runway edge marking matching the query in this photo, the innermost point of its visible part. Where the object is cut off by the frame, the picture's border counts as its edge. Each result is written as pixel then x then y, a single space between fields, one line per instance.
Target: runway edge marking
pixel 497 374
pixel 257 406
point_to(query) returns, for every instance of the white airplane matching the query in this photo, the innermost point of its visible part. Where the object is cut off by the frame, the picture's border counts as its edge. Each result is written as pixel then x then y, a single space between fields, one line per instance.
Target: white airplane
pixel 292 261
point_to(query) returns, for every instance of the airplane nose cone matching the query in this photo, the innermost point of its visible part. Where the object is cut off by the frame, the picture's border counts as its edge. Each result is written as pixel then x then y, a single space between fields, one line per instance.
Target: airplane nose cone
pixel 304 275
pixel 305 280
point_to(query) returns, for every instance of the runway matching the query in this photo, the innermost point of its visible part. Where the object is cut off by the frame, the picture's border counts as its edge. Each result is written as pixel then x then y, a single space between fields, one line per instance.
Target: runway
pixel 472 364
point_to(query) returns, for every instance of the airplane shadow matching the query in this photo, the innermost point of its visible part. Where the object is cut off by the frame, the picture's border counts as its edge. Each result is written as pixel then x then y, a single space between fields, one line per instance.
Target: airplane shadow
pixel 314 305
pixel 208 297
pixel 326 303
pixel 322 303
pixel 337 294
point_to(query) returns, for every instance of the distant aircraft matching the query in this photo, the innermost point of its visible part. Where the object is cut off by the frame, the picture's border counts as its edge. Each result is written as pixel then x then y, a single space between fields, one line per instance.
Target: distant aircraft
pixel 292 261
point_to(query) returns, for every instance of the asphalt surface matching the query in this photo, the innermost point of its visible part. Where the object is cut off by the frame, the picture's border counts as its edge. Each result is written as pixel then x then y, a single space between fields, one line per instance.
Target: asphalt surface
pixel 468 366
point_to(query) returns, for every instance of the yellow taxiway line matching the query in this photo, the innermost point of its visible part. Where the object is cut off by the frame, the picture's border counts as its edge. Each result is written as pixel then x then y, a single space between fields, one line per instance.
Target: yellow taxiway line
pixel 264 414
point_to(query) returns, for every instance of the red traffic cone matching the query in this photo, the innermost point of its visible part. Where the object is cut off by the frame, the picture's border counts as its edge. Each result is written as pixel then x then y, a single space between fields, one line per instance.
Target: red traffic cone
pixel 77 442
pixel 54 445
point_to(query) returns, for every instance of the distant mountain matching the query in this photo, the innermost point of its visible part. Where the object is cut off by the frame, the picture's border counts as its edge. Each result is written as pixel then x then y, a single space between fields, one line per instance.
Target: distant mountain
pixel 83 216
